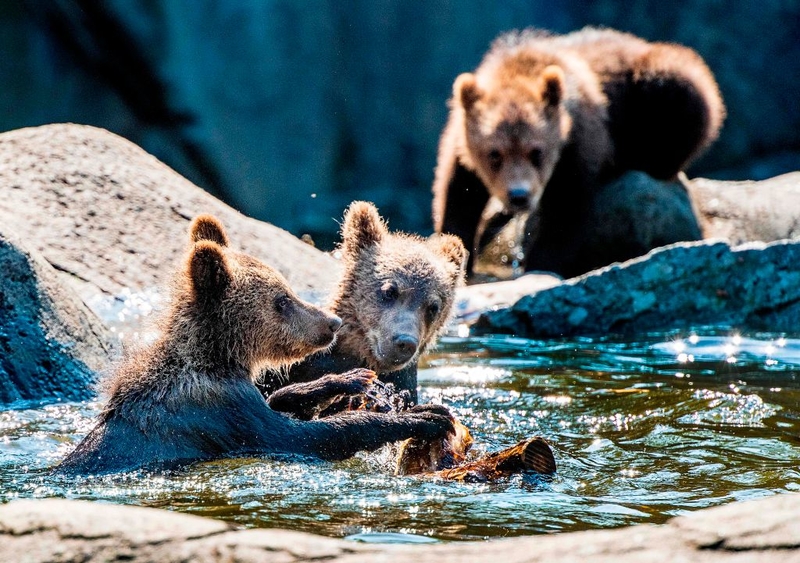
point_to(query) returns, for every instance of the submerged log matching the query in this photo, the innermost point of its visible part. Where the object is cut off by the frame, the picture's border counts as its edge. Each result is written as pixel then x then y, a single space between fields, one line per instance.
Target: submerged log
pixel 533 455
pixel 447 458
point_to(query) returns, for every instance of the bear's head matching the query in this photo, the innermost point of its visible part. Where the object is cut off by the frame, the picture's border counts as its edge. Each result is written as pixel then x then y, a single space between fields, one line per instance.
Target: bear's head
pixel 397 290
pixel 232 309
pixel 515 127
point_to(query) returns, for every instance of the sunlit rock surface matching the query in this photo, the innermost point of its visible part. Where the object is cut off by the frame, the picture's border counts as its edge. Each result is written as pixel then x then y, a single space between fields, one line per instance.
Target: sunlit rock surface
pixel 65 530
pixel 753 286
pixel 51 344
pixel 745 211
pixel 111 218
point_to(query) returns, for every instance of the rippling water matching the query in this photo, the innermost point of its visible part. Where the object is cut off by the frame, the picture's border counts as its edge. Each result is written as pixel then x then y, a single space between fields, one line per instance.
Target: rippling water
pixel 642 430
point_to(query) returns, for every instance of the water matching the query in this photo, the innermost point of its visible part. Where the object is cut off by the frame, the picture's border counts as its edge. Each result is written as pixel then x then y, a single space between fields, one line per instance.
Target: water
pixel 642 431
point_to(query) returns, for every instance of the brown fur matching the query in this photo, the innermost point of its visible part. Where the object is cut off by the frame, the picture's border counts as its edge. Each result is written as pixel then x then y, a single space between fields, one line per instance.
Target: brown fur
pixel 191 396
pixel 204 335
pixel 423 273
pixel 394 297
pixel 549 113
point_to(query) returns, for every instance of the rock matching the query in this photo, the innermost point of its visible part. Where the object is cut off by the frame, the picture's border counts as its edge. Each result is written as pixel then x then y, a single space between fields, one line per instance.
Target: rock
pixel 51 344
pixel 472 300
pixel 110 217
pixel 635 214
pixel 764 530
pixel 745 211
pixel 626 218
pixel 754 286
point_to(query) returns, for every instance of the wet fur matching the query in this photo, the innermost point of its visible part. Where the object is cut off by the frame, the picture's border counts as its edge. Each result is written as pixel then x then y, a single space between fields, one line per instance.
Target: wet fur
pixel 371 255
pixel 190 396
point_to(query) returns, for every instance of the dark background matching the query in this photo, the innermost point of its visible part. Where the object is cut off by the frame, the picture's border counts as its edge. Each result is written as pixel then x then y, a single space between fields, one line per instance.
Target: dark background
pixel 288 110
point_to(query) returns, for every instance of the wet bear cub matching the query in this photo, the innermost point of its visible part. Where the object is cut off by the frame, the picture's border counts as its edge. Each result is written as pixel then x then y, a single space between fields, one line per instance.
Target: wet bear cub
pixel 190 395
pixel 394 297
pixel 546 120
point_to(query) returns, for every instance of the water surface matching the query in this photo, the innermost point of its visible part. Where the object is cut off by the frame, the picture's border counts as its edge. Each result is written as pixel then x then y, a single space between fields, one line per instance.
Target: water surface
pixel 642 430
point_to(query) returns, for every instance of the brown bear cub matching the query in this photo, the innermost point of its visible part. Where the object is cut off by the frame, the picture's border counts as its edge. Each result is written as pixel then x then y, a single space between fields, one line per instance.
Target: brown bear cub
pixel 545 120
pixel 190 395
pixel 394 298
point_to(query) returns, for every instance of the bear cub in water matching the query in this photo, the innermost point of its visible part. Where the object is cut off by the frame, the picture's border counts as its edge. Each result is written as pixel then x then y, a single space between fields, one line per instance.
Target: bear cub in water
pixel 391 285
pixel 190 395
pixel 394 297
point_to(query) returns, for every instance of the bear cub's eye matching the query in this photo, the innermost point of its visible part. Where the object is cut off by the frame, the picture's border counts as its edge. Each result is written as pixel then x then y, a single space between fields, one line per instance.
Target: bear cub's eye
pixel 433 310
pixel 495 160
pixel 535 157
pixel 389 292
pixel 282 303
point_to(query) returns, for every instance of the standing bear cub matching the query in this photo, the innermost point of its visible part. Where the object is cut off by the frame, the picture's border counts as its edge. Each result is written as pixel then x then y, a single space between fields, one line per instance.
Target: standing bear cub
pixel 394 297
pixel 546 120
pixel 190 396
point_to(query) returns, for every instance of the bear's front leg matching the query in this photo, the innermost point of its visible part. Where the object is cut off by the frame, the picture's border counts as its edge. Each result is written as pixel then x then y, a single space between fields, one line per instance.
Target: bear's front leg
pixel 306 400
pixel 341 436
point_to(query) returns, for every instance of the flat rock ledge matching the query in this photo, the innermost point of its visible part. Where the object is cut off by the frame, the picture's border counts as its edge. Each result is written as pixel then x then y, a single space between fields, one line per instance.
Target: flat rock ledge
pixel 754 286
pixel 56 530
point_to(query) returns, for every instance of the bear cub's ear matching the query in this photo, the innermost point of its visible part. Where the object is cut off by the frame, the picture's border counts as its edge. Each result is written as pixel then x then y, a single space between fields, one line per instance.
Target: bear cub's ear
pixel 208 227
pixel 452 249
pixel 208 270
pixel 552 85
pixel 465 90
pixel 362 227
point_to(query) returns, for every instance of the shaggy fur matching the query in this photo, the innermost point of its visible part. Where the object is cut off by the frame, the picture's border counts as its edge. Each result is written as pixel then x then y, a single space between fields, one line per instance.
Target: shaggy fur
pixel 394 297
pixel 190 395
pixel 544 120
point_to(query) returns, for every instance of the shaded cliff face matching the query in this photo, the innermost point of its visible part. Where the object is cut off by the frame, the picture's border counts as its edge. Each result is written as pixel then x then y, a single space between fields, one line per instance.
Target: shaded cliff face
pixel 288 111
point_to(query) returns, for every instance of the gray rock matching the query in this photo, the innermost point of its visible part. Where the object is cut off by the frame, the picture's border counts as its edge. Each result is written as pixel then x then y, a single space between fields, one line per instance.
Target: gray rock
pixel 746 211
pixel 765 530
pixel 753 286
pixel 51 344
pixel 110 217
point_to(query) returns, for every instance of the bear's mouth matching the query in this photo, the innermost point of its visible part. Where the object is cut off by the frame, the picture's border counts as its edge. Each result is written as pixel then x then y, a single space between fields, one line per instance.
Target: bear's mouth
pixel 324 341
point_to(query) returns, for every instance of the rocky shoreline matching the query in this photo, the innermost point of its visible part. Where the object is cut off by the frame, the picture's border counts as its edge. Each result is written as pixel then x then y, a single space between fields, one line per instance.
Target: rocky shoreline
pixel 69 530
pixel 755 286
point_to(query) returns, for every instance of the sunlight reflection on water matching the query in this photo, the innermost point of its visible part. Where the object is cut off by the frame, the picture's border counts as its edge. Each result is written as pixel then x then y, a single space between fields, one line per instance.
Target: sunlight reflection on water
pixel 639 432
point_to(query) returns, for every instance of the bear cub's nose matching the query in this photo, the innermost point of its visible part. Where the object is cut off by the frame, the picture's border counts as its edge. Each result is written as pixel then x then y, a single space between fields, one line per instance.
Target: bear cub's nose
pixel 518 198
pixel 405 346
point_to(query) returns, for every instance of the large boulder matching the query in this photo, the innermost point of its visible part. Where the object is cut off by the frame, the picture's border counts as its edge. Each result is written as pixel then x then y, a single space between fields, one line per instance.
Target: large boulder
pixel 635 213
pixel 755 286
pixel 764 530
pixel 112 218
pixel 51 344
